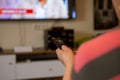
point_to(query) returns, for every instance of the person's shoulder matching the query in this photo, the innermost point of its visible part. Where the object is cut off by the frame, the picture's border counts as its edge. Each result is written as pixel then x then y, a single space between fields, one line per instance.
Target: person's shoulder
pixel 111 34
pixel 114 30
pixel 109 38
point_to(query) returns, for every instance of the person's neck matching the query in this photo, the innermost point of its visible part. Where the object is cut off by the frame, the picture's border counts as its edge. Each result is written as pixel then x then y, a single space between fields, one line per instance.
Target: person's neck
pixel 43 2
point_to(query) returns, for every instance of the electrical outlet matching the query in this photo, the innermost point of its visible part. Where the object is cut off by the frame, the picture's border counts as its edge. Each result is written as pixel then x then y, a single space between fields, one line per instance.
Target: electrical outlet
pixel 41 27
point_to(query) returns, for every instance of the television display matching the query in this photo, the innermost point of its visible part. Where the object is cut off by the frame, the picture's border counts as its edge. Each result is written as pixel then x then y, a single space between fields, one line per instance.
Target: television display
pixel 37 9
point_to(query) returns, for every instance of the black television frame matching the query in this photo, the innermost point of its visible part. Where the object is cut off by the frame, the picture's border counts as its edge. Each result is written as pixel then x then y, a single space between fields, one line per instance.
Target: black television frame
pixel 72 10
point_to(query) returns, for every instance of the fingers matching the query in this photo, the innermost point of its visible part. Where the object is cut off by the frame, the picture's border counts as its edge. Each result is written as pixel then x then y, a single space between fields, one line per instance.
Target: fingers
pixel 64 47
pixel 60 53
pixel 58 50
pixel 63 50
pixel 65 55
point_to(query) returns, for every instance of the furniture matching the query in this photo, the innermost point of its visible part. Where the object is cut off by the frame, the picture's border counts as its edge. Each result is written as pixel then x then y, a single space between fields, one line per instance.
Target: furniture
pixel 29 65
pixel 7 67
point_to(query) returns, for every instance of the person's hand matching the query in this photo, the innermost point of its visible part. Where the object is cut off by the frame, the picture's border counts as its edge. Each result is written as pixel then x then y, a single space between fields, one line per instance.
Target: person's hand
pixel 65 55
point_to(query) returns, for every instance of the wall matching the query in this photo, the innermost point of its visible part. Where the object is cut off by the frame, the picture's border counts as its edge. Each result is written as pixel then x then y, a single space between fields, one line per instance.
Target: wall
pixel 30 33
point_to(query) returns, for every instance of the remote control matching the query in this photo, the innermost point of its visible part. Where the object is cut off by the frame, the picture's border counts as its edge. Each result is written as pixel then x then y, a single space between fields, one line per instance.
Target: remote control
pixel 57 41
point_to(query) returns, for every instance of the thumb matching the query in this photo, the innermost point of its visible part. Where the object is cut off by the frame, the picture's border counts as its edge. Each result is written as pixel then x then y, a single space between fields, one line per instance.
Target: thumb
pixel 64 47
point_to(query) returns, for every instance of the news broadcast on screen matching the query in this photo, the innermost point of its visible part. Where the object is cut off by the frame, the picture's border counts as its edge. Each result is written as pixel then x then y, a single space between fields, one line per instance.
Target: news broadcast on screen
pixel 37 9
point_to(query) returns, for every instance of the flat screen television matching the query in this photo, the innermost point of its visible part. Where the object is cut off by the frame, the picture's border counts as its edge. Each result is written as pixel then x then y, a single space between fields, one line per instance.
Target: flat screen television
pixel 37 9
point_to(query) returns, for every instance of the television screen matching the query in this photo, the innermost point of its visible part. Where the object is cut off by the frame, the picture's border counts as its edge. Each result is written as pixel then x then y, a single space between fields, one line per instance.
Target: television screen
pixel 37 9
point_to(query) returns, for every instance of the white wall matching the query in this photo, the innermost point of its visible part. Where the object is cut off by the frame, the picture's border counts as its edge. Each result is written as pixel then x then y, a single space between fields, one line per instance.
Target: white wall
pixel 30 33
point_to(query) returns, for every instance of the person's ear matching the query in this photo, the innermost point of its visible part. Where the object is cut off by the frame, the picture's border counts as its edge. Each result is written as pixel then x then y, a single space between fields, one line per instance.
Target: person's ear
pixel 116 4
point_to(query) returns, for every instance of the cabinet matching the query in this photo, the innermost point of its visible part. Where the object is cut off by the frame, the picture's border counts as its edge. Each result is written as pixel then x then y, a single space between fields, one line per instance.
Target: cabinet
pixel 31 65
pixel 36 65
pixel 7 67
pixel 39 69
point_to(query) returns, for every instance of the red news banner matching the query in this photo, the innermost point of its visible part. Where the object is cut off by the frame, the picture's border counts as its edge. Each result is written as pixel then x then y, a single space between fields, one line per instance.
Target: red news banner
pixel 15 11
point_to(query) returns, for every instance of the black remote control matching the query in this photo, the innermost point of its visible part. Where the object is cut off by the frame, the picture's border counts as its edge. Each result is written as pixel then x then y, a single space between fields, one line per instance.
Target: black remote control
pixel 57 41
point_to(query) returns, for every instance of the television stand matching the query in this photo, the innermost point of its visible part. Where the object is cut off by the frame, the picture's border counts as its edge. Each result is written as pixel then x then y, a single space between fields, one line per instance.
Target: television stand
pixel 30 65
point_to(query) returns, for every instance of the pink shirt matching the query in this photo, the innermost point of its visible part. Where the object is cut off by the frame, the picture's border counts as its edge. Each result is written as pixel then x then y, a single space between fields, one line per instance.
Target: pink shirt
pixel 99 57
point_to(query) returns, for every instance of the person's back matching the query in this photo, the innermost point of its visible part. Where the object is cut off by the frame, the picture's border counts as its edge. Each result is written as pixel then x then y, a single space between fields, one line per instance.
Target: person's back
pixel 98 59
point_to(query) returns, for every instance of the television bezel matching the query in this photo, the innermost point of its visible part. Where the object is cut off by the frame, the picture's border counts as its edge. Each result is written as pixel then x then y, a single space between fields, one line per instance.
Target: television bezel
pixel 71 5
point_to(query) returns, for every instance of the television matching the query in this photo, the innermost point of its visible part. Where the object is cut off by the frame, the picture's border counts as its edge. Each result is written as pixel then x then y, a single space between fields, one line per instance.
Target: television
pixel 37 9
